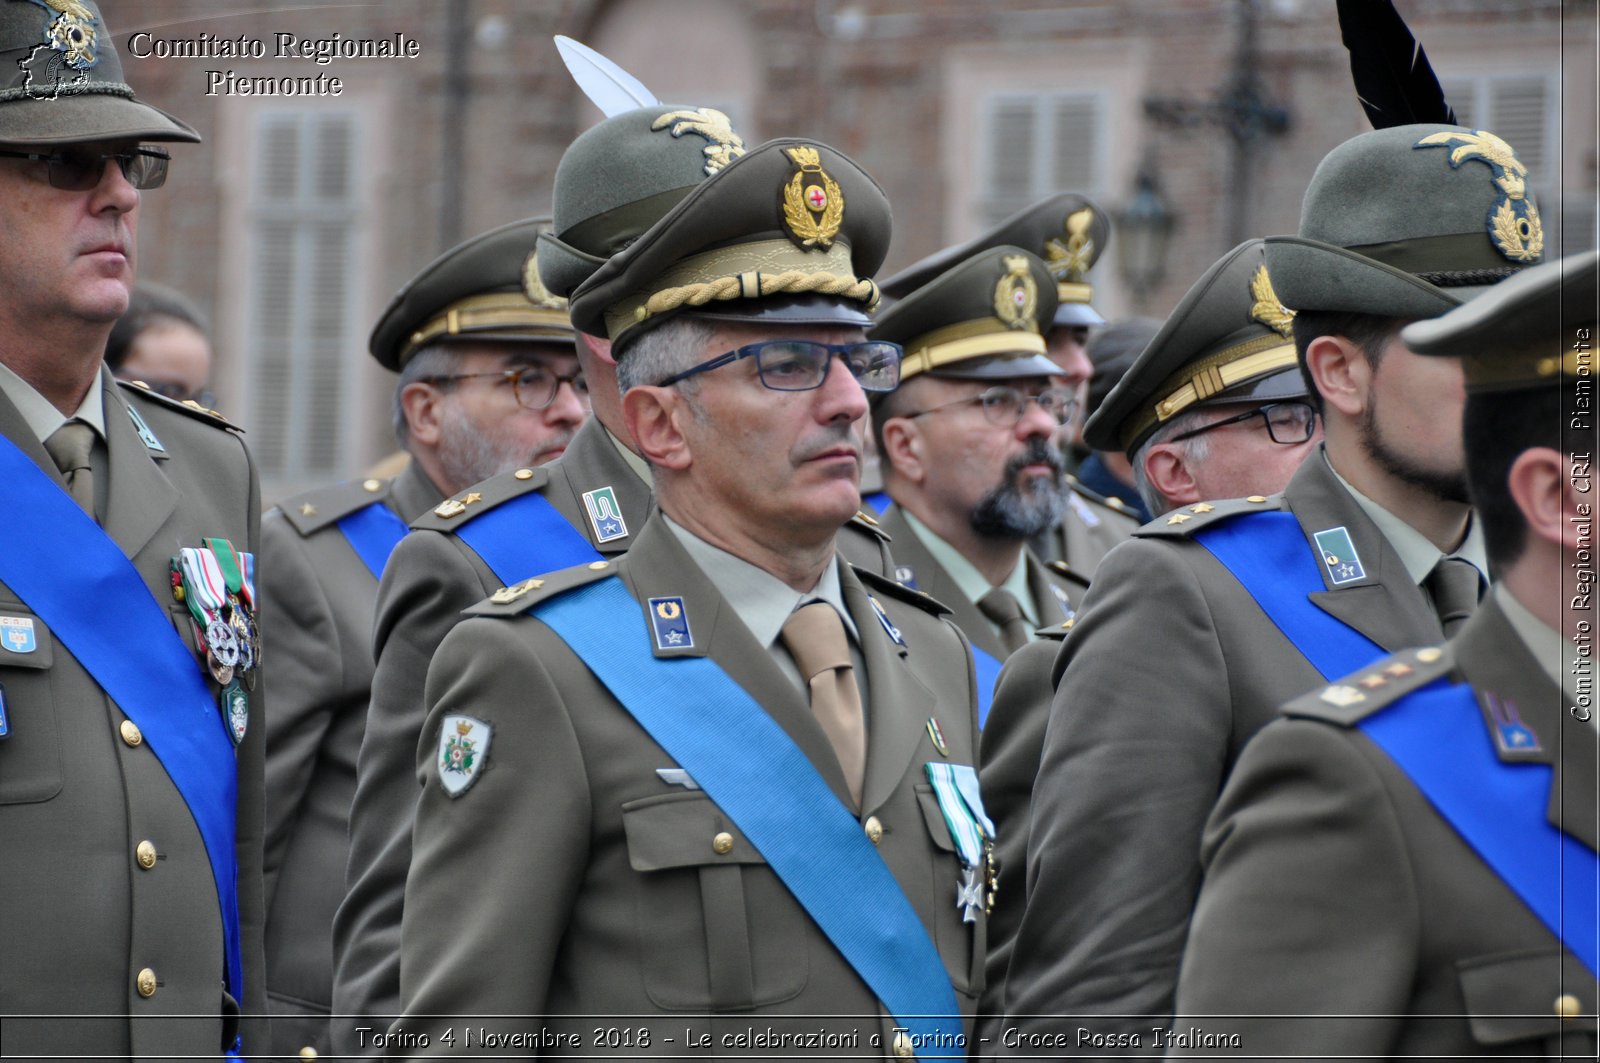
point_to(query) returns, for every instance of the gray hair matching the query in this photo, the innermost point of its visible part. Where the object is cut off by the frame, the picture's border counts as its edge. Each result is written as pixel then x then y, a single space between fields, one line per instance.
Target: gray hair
pixel 668 348
pixel 430 361
pixel 1194 451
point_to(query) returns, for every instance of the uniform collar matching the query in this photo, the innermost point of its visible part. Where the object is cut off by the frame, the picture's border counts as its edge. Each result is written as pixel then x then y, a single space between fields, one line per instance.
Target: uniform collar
pixel 1556 656
pixel 1416 553
pixel 967 578
pixel 759 599
pixel 42 416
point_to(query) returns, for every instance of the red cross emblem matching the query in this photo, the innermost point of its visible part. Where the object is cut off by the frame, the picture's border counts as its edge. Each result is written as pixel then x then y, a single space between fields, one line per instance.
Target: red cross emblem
pixel 817 198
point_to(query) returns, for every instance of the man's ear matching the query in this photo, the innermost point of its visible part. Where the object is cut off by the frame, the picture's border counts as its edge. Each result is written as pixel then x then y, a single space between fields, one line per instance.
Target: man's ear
pixel 655 417
pixel 1166 466
pixel 422 405
pixel 1547 496
pixel 1342 373
pixel 904 450
pixel 598 346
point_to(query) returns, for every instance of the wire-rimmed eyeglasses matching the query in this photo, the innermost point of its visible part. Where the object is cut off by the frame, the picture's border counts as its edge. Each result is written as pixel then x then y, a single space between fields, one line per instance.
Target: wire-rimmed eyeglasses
pixel 78 169
pixel 534 386
pixel 1288 423
pixel 802 365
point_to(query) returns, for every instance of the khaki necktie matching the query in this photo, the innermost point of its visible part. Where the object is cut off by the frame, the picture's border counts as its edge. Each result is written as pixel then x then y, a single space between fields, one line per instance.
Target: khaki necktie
pixel 1001 606
pixel 1453 586
pixel 69 446
pixel 814 636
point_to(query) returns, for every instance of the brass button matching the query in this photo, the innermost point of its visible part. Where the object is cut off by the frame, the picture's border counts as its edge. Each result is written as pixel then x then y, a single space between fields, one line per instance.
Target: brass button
pixel 902 1045
pixel 523 474
pixel 131 733
pixel 308 1053
pixel 146 983
pixel 598 565
pixel 874 829
pixel 722 844
pixel 1567 1006
pixel 1256 498
pixel 145 853
pixel 372 485
pixel 1429 655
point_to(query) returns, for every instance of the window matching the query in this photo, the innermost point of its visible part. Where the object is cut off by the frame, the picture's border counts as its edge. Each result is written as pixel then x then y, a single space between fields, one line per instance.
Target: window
pixel 301 330
pixel 1040 144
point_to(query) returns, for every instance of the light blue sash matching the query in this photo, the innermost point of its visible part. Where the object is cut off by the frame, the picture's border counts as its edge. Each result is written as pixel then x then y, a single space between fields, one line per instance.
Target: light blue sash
pixel 876 502
pixel 76 579
pixel 755 773
pixel 373 532
pixel 526 536
pixel 1269 556
pixel 988 673
pixel 1437 737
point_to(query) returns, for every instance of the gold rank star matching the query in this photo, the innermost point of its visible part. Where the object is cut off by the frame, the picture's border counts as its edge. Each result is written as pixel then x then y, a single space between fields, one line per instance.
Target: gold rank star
pixel 471 498
pixel 308 510
pixel 1397 670
pixel 1177 518
pixel 1201 507
pixel 1373 682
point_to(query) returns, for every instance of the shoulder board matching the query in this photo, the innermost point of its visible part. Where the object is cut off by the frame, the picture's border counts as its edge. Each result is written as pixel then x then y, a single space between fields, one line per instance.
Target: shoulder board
pixel 888 588
pixel 524 595
pixel 480 498
pixel 1055 632
pixel 1116 505
pixel 1374 687
pixel 188 407
pixel 1184 521
pixel 1065 573
pixel 866 522
pixel 316 509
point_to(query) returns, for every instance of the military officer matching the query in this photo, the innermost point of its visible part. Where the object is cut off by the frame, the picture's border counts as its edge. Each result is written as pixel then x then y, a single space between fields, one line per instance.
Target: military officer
pixel 130 738
pixel 1182 651
pixel 1406 865
pixel 612 183
pixel 488 382
pixel 1187 442
pixel 968 451
pixel 642 728
pixel 1112 351
pixel 1069 232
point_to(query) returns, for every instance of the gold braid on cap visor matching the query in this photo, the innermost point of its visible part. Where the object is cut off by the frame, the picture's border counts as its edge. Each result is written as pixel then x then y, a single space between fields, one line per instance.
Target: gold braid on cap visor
pixel 493 312
pixel 1215 373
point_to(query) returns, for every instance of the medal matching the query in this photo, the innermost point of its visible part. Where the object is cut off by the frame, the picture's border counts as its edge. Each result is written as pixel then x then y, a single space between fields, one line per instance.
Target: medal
pixel 219 671
pixel 969 895
pixel 235 710
pixel 223 642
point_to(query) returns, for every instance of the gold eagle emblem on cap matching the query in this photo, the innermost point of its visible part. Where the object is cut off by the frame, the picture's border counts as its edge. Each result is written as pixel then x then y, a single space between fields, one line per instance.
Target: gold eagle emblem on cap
pixel 1514 224
pixel 1016 296
pixel 1266 308
pixel 1070 261
pixel 813 205
pixel 725 145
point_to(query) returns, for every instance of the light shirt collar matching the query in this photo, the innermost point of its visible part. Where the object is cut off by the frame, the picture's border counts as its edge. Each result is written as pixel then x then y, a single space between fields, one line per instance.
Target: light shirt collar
pixel 760 599
pixel 1417 554
pixel 967 578
pixel 1556 656
pixel 41 415
pixel 640 467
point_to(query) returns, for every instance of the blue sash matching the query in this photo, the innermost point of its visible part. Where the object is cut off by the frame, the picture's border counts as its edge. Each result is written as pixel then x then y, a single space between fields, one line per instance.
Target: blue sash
pixel 526 536
pixel 1268 554
pixel 988 670
pixel 1436 736
pixel 755 773
pixel 74 577
pixel 373 532
pixel 877 502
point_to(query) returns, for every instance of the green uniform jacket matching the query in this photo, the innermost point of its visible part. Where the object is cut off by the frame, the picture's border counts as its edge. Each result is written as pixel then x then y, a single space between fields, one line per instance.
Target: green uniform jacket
pixel 431 578
pixel 1090 527
pixel 79 916
pixel 1342 915
pixel 317 629
pixel 1169 669
pixel 920 568
pixel 571 880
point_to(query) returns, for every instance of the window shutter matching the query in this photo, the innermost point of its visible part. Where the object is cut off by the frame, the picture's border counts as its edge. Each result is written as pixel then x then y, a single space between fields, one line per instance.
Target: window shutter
pixel 1039 144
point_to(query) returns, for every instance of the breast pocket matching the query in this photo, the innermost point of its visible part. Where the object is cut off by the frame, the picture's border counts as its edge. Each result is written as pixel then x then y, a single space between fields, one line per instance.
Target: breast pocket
pixel 962 944
pixel 1543 998
pixel 30 754
pixel 717 930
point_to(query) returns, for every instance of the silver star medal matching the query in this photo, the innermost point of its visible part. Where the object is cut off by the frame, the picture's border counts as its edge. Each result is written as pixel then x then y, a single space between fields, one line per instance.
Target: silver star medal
pixel 969 895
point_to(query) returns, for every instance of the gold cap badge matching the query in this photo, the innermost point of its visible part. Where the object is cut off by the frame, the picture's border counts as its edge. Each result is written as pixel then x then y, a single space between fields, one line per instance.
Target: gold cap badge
pixel 725 146
pixel 1267 309
pixel 1016 296
pixel 1514 224
pixel 813 205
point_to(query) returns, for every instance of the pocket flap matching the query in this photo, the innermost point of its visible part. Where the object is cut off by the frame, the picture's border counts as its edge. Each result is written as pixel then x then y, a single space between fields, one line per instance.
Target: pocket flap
pixel 1521 996
pixel 683 830
pixel 24 640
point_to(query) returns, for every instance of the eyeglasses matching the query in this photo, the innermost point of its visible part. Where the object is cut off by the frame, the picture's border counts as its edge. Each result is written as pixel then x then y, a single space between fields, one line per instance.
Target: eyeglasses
pixel 77 169
pixel 1288 423
pixel 534 386
pixel 1004 406
pixel 802 365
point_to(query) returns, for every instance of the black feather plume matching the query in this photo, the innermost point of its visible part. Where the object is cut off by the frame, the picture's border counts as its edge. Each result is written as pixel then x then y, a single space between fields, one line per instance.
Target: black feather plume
pixel 1394 81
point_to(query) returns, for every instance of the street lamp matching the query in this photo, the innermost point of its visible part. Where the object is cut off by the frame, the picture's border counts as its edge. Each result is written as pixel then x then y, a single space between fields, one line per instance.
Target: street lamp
pixel 1144 228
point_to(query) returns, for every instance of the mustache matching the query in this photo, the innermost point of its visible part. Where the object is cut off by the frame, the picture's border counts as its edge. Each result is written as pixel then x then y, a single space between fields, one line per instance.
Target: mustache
pixel 1039 451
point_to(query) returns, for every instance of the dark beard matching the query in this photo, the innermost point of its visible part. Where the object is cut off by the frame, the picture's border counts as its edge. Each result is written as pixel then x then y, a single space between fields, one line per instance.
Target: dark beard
pixel 1013 511
pixel 1446 486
